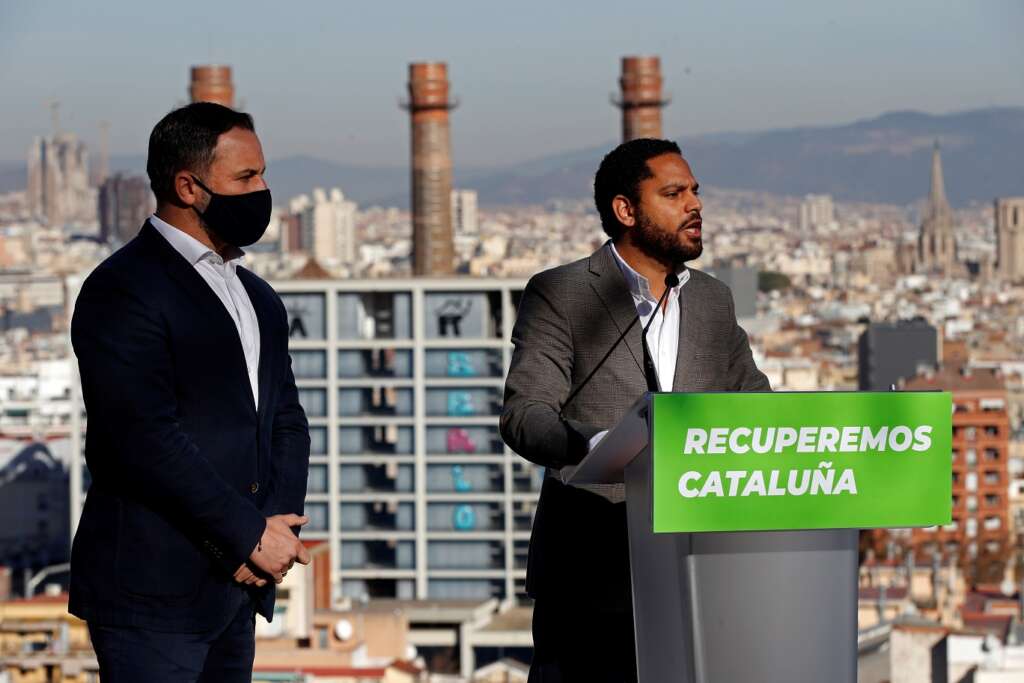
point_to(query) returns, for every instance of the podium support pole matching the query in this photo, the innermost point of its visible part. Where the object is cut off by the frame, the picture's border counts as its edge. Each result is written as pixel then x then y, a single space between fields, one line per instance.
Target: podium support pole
pixel 740 606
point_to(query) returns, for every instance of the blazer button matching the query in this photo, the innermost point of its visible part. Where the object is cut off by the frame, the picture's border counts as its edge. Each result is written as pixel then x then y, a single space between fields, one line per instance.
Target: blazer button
pixel 254 487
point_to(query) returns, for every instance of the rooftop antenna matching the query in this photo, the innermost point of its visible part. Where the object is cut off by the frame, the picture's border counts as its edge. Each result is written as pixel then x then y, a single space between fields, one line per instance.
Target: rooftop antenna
pixel 54 106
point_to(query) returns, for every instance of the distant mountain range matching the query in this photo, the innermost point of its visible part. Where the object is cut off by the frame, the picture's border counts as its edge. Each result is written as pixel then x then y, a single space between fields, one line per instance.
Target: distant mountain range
pixel 883 159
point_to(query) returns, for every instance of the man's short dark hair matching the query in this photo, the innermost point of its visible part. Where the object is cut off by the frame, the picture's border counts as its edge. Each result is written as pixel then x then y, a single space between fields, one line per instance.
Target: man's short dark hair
pixel 620 172
pixel 185 140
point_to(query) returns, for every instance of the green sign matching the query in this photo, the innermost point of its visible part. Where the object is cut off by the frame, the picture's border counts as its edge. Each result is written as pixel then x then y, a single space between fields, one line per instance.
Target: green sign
pixel 817 460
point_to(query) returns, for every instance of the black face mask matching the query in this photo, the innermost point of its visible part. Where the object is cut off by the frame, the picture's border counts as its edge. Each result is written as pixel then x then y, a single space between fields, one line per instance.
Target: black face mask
pixel 238 219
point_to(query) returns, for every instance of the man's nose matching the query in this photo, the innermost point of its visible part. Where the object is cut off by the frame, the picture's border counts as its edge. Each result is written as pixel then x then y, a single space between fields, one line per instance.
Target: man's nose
pixel 695 205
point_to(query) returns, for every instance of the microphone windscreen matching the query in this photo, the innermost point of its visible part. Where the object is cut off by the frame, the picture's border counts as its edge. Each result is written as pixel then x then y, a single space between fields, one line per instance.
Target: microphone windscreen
pixel 671 280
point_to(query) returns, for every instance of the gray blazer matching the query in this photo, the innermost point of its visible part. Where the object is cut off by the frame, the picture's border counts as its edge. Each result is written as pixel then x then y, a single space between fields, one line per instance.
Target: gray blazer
pixel 568 319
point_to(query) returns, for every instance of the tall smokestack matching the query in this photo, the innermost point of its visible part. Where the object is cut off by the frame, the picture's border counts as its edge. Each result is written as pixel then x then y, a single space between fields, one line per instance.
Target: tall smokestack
pixel 212 83
pixel 433 252
pixel 641 100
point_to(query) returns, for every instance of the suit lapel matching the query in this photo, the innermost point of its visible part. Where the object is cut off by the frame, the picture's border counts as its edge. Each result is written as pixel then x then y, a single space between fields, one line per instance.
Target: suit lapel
pixel 209 304
pixel 610 286
pixel 264 317
pixel 684 354
pixel 692 324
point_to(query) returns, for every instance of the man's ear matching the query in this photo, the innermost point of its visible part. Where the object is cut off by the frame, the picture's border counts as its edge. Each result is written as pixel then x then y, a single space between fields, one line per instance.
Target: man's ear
pixel 624 210
pixel 186 189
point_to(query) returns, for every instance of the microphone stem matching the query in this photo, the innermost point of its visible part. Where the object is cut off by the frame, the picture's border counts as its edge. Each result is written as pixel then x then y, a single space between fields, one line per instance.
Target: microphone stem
pixel 597 367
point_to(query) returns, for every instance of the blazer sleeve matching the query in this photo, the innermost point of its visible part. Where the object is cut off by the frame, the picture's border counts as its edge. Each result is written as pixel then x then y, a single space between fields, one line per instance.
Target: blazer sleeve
pixel 127 373
pixel 744 374
pixel 539 380
pixel 289 442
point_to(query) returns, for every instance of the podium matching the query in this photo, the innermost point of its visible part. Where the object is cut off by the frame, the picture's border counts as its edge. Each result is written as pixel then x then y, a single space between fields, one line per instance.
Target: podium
pixel 759 605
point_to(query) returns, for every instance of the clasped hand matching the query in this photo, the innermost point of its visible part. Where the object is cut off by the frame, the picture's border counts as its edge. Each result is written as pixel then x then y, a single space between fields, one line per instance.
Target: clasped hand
pixel 276 552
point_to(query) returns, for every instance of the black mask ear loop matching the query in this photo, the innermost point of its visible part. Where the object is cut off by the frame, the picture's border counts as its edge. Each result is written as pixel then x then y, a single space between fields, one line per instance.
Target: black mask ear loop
pixel 200 184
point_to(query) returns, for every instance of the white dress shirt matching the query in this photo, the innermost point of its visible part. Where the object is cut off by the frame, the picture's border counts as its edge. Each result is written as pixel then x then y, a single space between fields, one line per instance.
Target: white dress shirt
pixel 222 278
pixel 663 335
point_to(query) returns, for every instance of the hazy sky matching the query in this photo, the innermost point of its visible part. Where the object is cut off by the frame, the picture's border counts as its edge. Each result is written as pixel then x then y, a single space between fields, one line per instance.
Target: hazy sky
pixel 324 77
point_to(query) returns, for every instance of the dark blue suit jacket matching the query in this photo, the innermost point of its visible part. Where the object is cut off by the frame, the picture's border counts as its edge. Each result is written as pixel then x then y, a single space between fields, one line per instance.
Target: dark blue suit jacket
pixel 184 467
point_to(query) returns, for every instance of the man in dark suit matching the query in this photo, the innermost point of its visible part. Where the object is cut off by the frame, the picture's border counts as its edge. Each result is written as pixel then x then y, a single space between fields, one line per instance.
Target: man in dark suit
pixel 197 445
pixel 569 317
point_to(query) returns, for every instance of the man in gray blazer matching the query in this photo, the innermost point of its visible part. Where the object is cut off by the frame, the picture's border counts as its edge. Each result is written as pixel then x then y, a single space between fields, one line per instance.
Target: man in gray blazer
pixel 568 319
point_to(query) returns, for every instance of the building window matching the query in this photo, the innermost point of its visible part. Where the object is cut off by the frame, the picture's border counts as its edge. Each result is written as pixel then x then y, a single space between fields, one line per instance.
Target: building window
pixel 462 315
pixel 314 402
pixel 317 479
pixel 452 440
pixel 464 589
pixel 305 315
pixel 463 401
pixel 309 364
pixel 469 478
pixel 317 513
pixel 971 527
pixel 379 440
pixel 318 440
pixel 389 478
pixel 464 363
pixel 971 456
pixel 465 555
pixel 375 315
pixel 470 516
pixel 375 401
pixel 375 363
pixel 377 555
pixel 377 516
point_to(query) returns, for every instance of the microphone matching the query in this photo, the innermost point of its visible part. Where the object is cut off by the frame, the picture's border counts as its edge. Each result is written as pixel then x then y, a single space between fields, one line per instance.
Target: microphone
pixel 671 281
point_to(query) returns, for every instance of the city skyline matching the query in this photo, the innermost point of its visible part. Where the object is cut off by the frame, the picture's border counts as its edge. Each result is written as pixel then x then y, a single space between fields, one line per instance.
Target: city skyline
pixel 543 78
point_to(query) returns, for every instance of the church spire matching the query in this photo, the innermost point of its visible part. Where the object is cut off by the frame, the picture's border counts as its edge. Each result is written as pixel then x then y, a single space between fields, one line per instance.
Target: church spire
pixel 937 202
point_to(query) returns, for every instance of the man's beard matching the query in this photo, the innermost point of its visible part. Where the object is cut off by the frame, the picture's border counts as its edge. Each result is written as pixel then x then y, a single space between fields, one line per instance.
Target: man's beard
pixel 662 246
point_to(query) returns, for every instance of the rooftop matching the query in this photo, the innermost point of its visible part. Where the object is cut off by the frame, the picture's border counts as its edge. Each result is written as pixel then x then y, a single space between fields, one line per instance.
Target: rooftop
pixel 947 379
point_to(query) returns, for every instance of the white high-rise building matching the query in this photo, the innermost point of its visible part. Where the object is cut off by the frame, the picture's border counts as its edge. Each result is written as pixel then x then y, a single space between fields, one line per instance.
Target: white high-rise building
pixel 816 212
pixel 464 213
pixel 58 180
pixel 328 226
